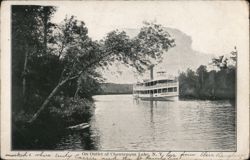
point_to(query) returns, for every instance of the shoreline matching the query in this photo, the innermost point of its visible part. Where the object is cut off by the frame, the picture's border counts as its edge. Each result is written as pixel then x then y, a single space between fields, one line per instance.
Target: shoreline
pixel 180 97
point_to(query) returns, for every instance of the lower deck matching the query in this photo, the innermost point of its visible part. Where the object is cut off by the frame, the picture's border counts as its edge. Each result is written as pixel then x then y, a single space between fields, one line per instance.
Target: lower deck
pixel 157 96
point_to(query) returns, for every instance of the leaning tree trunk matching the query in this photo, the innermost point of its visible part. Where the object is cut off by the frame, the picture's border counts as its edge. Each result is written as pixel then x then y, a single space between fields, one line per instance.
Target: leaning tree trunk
pixel 47 100
pixel 45 31
pixel 24 81
pixel 78 87
pixel 76 93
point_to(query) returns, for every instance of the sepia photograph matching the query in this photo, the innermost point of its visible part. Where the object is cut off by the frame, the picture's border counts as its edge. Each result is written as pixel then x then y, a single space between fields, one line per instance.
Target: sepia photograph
pixel 126 76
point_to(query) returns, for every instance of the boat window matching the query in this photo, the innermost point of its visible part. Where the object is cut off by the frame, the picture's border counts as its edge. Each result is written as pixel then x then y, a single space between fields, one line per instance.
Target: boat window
pixel 161 81
pixel 155 91
pixel 170 89
pixel 175 89
pixel 165 90
pixel 151 91
pixel 165 81
pixel 159 90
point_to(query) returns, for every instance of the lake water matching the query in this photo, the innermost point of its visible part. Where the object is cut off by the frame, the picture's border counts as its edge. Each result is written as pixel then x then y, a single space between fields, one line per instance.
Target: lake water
pixel 123 123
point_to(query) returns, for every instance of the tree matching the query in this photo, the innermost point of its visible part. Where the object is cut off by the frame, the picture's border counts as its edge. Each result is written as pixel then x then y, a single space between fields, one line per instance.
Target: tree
pixel 202 75
pixel 46 14
pixel 225 61
pixel 188 82
pixel 227 66
pixel 79 54
pixel 182 83
pixel 27 29
pixel 88 84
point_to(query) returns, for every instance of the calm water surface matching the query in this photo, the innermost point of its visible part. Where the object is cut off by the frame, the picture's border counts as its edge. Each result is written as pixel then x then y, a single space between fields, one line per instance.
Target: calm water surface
pixel 122 123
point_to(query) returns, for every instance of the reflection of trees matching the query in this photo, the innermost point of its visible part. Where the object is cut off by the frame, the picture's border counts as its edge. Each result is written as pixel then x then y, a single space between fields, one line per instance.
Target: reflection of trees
pixel 42 139
pixel 87 142
pixel 220 117
pixel 77 140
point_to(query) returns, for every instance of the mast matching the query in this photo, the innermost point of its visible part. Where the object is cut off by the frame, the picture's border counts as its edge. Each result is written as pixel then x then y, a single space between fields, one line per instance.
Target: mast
pixel 151 68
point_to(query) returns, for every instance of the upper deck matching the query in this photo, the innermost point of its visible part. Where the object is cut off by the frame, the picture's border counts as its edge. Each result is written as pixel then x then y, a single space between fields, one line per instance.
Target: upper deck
pixel 156 84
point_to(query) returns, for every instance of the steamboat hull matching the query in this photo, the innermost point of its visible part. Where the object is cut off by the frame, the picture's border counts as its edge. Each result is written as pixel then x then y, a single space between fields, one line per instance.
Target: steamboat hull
pixel 158 97
pixel 166 98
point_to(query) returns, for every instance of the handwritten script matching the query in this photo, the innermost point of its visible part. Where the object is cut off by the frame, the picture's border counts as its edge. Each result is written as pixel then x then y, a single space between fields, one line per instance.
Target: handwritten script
pixel 94 155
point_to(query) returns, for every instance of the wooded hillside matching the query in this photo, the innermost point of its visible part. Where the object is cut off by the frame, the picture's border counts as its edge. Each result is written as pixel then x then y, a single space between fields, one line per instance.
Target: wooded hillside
pixel 113 88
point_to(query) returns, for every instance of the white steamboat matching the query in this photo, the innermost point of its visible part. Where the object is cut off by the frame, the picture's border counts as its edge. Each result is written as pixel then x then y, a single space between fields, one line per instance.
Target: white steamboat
pixel 162 88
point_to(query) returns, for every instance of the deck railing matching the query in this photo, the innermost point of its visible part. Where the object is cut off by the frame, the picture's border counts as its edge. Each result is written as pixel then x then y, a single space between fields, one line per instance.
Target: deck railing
pixel 157 86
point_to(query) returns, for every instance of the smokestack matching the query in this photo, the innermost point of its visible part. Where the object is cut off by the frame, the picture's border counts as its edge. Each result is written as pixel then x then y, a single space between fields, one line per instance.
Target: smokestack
pixel 151 72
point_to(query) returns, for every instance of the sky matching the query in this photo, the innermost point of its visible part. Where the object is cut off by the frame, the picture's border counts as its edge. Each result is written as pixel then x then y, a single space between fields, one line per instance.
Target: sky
pixel 215 27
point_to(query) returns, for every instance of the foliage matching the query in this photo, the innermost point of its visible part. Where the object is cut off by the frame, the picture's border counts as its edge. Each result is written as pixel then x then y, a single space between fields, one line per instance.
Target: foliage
pixel 210 84
pixel 225 61
pixel 28 25
pixel 142 51
pixel 71 111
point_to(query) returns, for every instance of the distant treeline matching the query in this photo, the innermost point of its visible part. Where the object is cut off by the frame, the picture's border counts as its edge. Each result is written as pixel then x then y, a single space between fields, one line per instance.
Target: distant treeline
pixel 112 88
pixel 213 84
